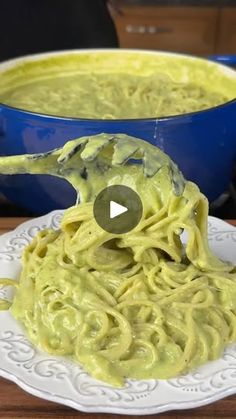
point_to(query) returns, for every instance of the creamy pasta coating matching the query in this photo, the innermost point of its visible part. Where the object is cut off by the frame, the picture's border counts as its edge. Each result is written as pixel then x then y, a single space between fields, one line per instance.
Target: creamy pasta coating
pixel 140 304
pixel 112 96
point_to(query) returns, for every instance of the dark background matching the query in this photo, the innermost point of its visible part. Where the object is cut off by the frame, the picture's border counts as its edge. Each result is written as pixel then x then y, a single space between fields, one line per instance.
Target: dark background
pixel 31 26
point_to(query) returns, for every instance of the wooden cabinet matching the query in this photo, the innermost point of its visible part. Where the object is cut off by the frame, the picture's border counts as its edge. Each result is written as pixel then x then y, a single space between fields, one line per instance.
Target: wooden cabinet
pixel 226 42
pixel 194 30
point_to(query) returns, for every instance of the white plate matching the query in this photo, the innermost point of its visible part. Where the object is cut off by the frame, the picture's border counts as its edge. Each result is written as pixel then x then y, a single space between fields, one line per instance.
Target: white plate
pixel 58 379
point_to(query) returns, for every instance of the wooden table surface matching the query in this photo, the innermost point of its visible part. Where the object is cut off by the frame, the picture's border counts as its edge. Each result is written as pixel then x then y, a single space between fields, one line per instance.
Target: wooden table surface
pixel 16 403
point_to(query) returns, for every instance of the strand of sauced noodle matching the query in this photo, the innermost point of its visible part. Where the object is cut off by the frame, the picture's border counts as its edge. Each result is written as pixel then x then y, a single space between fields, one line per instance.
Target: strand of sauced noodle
pixel 137 305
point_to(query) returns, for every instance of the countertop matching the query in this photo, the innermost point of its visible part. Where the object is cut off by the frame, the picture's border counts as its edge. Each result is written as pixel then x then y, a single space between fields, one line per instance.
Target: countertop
pixel 16 403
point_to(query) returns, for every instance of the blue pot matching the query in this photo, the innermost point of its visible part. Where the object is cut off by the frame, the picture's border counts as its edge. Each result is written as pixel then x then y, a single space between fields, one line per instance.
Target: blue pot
pixel 203 144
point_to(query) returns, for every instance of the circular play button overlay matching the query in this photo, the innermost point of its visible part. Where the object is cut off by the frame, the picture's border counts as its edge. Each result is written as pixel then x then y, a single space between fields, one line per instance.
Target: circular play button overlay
pixel 117 209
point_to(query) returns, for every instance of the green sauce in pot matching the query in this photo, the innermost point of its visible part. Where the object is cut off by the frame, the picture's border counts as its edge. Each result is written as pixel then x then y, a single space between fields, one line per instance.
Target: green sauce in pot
pixel 108 85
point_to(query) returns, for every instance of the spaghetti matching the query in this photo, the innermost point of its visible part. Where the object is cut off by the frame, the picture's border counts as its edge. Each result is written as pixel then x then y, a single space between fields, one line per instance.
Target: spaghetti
pixel 114 96
pixel 141 304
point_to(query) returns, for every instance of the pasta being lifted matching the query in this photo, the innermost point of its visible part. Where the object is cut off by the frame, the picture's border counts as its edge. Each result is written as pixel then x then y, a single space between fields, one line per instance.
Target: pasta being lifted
pixel 139 304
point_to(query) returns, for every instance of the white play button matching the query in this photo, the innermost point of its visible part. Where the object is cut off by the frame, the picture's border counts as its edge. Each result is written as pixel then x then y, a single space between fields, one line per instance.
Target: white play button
pixel 116 209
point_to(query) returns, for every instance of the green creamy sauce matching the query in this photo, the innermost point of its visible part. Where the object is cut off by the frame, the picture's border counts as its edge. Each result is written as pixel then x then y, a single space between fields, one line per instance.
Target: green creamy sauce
pixel 124 305
pixel 109 86
pixel 112 96
pixel 92 163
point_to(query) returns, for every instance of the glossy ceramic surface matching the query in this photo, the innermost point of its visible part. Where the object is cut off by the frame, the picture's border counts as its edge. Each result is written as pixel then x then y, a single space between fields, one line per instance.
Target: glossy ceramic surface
pixel 203 144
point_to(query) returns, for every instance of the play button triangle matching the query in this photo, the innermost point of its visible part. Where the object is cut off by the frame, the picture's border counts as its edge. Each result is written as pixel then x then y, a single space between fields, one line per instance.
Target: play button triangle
pixel 116 209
